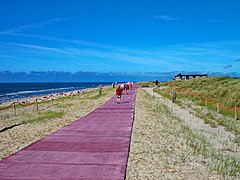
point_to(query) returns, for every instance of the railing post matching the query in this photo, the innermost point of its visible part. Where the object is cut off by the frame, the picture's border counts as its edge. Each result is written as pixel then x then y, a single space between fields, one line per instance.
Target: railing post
pixel 62 97
pixel 15 110
pixel 52 100
pixel 100 89
pixel 37 104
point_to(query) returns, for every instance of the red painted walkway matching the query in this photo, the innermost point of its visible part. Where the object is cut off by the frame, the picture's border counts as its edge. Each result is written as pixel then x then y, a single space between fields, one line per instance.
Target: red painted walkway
pixel 93 147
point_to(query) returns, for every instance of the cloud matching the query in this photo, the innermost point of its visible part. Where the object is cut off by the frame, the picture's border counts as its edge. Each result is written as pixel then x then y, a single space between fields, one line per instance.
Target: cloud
pixel 179 56
pixel 94 76
pixel 165 18
pixel 37 47
pixel 227 66
pixel 230 65
pixel 172 57
pixel 31 26
pixel 89 76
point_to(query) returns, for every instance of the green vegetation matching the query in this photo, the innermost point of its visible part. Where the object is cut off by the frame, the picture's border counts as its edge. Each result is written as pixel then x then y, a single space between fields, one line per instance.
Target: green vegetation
pixel 44 116
pixel 206 111
pixel 147 84
pixel 64 105
pixel 222 163
pixel 224 89
pixel 95 97
pixel 151 84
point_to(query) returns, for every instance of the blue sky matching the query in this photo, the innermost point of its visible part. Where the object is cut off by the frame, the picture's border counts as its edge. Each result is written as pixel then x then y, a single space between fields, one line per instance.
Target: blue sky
pixel 120 35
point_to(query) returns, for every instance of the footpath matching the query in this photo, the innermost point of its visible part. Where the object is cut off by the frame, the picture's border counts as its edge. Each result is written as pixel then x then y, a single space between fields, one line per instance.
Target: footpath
pixel 93 147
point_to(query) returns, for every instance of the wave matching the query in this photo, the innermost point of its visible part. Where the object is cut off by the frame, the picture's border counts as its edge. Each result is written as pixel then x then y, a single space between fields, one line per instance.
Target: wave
pixel 17 91
pixel 40 91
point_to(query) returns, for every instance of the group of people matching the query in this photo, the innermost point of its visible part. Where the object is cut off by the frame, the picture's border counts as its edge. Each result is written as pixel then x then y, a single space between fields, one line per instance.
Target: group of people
pixel 124 87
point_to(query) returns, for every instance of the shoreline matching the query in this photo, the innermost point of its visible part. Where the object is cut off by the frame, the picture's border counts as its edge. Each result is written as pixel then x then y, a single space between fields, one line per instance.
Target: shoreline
pixel 35 124
pixel 31 99
pixel 20 93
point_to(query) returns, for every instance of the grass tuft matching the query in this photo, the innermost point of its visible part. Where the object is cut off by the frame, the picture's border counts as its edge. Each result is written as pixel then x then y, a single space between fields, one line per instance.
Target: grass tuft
pixel 44 116
pixel 95 97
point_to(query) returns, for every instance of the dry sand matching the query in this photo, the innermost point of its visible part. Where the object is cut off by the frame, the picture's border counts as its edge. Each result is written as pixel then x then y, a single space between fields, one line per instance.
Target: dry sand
pixel 157 150
pixel 18 137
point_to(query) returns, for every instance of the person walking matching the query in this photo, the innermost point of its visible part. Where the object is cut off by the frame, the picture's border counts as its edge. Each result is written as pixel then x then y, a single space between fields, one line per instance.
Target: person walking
pixel 119 94
pixel 131 84
pixel 122 86
pixel 126 88
pixel 113 85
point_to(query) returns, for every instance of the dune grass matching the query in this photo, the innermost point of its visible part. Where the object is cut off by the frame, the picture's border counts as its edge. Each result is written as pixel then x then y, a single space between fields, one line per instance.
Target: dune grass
pixel 51 109
pixel 223 89
pixel 95 97
pixel 147 83
pixel 30 125
pixel 227 166
pixel 44 116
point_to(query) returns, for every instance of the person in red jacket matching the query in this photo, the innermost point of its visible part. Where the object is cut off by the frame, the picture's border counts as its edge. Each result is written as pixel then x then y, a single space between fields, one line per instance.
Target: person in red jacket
pixel 126 88
pixel 119 94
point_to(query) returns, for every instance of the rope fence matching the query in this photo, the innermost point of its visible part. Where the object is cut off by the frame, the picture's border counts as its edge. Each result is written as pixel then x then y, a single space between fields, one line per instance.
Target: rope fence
pixel 44 99
pixel 200 99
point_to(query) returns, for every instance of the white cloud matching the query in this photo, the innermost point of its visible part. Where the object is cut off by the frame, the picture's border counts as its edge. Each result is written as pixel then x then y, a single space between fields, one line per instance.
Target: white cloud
pixel 31 26
pixel 199 55
pixel 37 47
pixel 165 18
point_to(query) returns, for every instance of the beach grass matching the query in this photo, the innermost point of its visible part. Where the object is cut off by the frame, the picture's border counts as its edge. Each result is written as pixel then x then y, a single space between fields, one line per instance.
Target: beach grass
pixel 44 116
pixel 210 113
pixel 97 96
pixel 179 148
pixel 147 84
pixel 30 124
pixel 223 89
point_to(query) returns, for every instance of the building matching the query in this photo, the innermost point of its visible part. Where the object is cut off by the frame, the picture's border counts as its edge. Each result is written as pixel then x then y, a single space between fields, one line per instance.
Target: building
pixel 188 76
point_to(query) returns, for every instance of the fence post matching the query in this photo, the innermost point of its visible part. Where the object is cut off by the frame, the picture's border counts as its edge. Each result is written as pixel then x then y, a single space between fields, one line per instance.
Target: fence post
pixel 100 89
pixel 62 99
pixel 52 100
pixel 15 110
pixel 37 104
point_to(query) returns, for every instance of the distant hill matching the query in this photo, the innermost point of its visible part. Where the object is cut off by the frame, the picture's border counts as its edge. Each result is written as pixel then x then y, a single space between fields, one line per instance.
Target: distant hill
pixel 61 76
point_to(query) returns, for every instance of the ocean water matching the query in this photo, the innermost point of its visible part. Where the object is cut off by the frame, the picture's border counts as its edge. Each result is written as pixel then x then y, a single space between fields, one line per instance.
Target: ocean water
pixel 15 91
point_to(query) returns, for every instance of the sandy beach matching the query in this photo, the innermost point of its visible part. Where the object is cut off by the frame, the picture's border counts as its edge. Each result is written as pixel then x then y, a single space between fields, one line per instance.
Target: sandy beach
pixel 158 149
pixel 30 125
pixel 57 95
pixel 161 148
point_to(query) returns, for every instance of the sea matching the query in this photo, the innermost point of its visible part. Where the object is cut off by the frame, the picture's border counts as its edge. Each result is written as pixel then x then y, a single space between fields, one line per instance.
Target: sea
pixel 15 91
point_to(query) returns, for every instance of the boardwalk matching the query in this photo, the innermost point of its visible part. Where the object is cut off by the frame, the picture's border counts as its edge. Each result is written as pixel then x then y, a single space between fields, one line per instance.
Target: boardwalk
pixel 93 147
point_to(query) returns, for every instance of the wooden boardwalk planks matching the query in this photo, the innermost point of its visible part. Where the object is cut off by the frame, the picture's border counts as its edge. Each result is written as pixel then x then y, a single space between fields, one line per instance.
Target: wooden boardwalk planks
pixel 93 147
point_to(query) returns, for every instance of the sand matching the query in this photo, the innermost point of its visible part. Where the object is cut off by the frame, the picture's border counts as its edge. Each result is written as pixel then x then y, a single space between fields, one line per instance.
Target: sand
pixel 158 150
pixel 20 136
